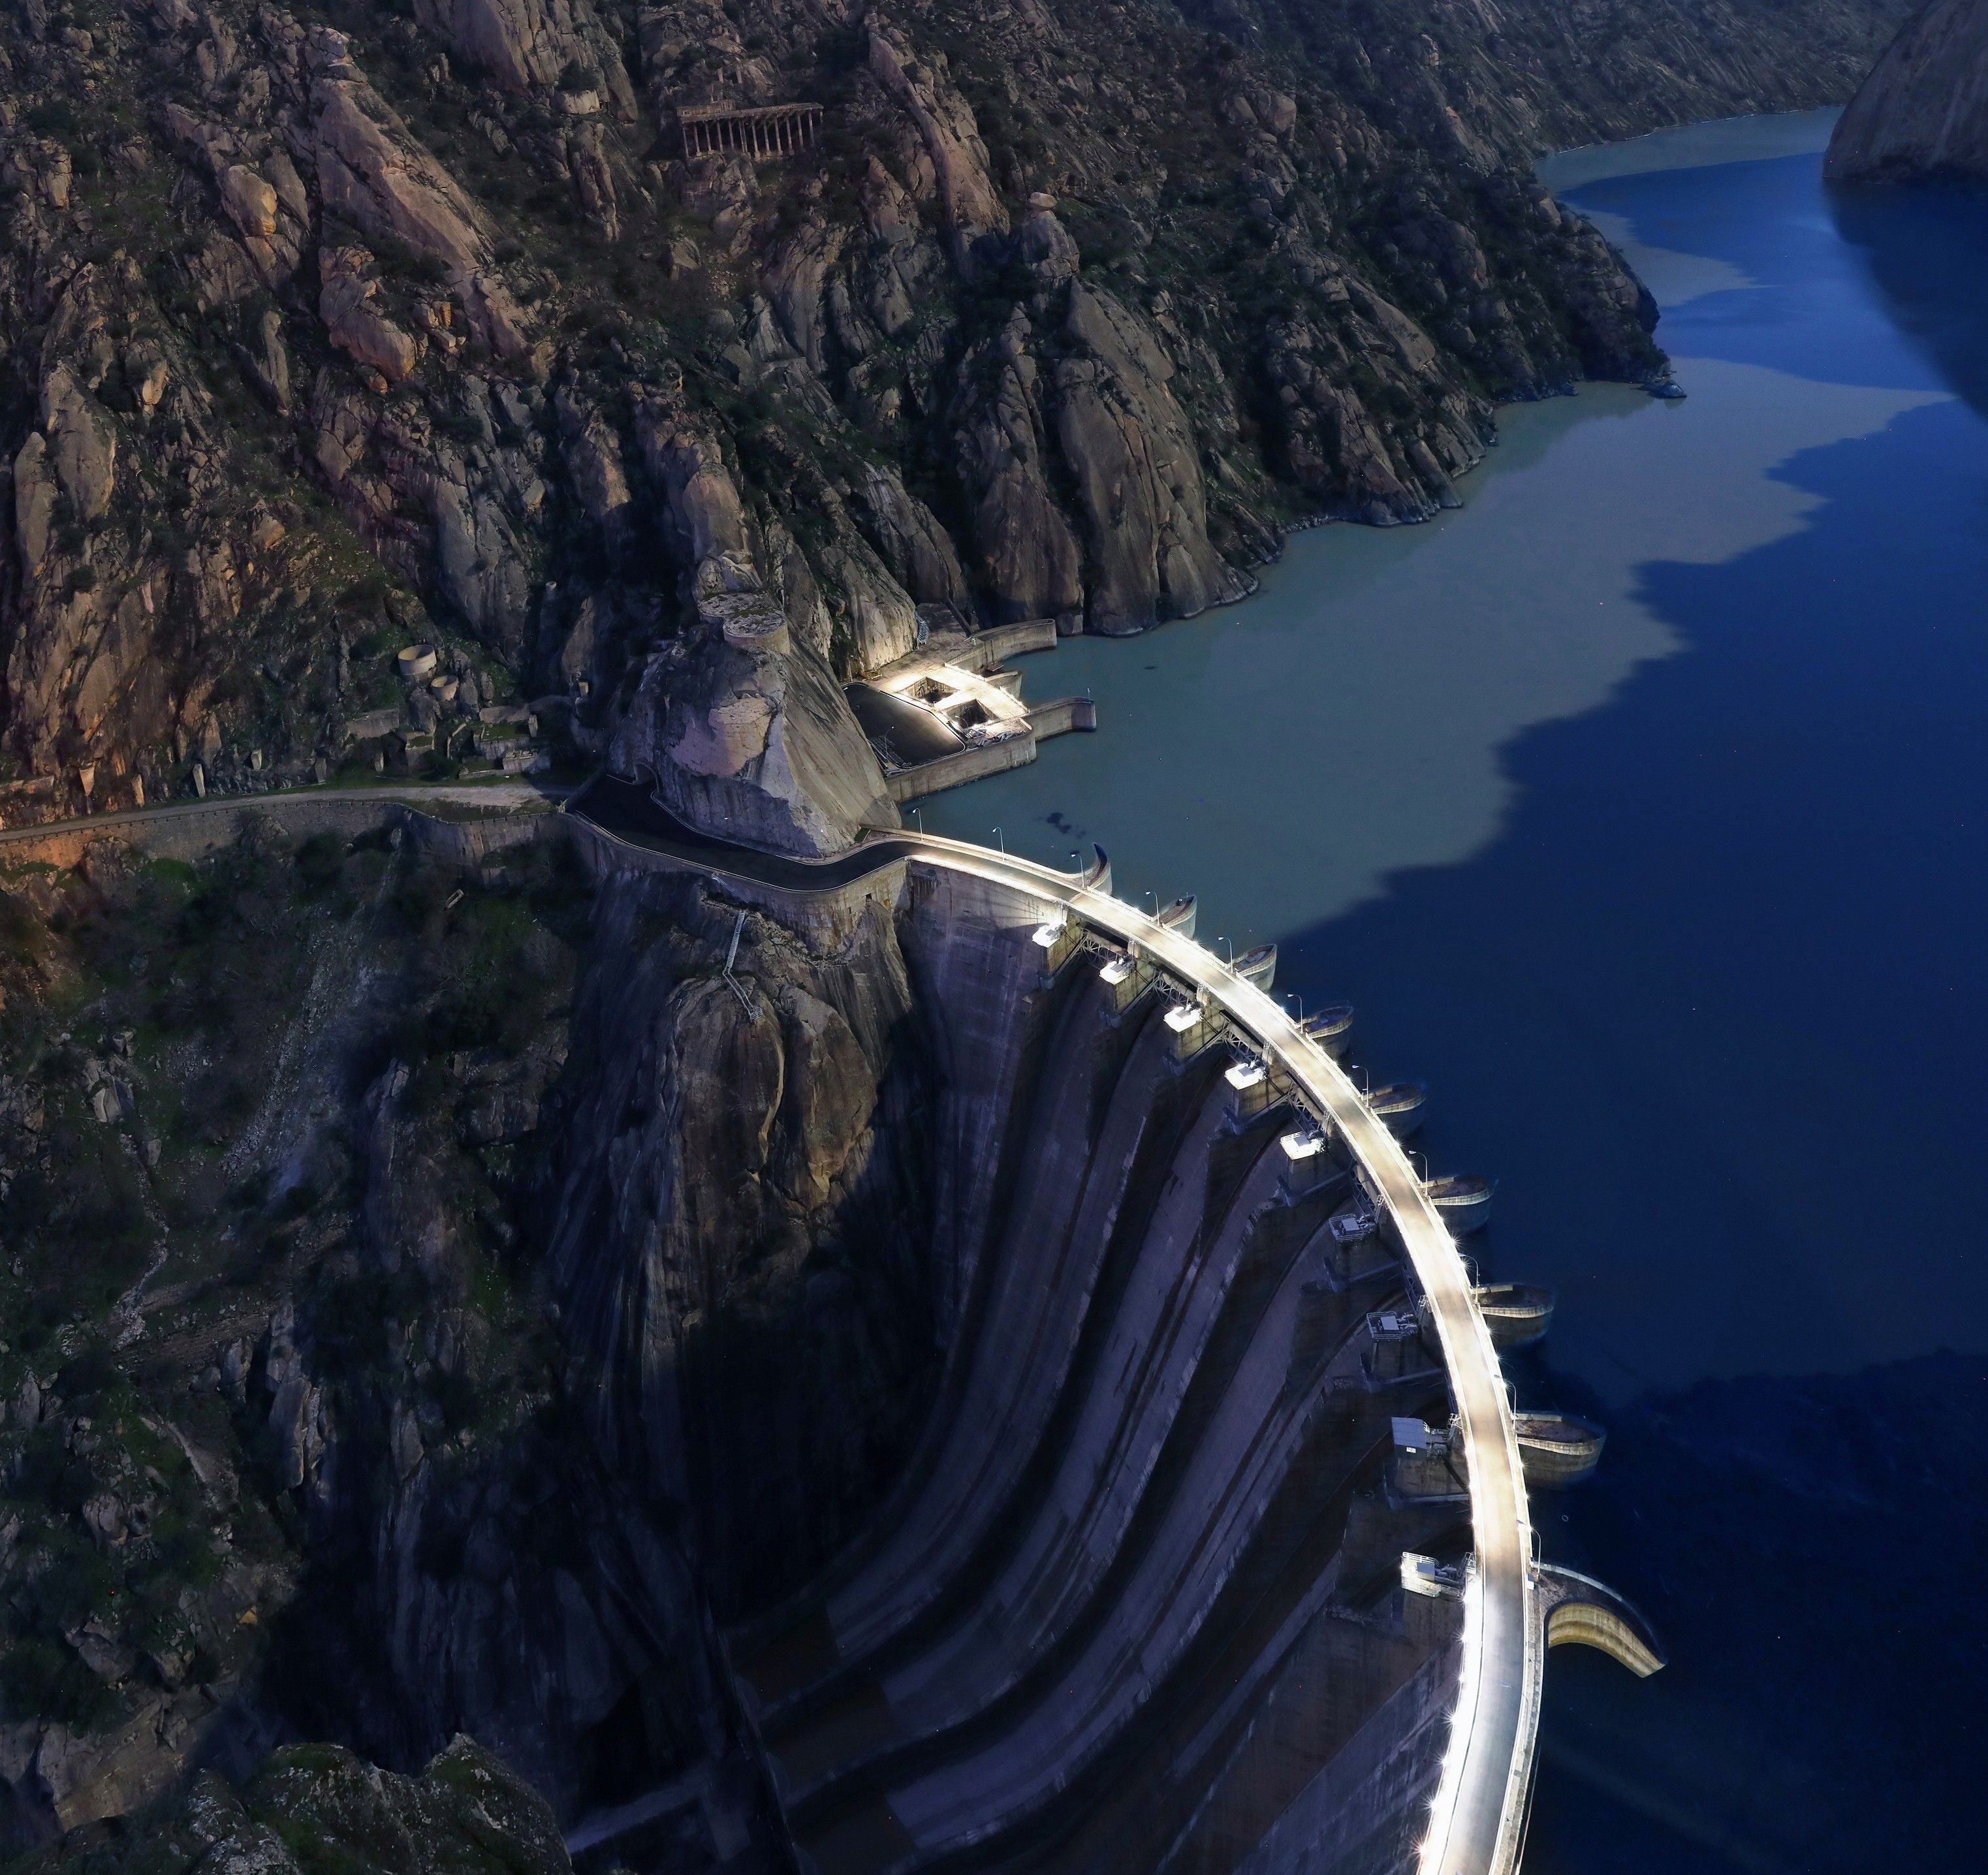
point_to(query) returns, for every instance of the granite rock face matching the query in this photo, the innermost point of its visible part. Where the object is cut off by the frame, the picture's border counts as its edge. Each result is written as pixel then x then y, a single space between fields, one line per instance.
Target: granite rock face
pixel 356 1492
pixel 527 48
pixel 740 1217
pixel 1923 111
pixel 591 1245
pixel 741 718
pixel 751 737
pixel 317 1806
pixel 1138 476
pixel 321 340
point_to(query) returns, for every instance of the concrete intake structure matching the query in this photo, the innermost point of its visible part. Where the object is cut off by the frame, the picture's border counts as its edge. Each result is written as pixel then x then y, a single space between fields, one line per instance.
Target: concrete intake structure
pixel 951 712
pixel 763 131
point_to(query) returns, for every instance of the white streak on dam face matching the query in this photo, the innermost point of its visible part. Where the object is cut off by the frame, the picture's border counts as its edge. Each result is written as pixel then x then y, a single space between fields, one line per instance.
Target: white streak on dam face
pixel 1282 757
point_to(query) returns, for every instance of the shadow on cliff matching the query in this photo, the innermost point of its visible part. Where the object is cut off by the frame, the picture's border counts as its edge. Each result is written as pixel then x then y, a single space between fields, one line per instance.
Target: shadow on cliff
pixel 1927 247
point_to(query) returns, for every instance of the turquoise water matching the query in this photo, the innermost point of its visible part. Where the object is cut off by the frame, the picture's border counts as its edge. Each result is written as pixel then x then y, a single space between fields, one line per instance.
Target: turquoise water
pixel 1638 806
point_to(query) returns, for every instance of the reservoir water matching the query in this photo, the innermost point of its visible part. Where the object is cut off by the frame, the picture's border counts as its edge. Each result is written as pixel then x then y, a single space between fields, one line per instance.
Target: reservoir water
pixel 1639 805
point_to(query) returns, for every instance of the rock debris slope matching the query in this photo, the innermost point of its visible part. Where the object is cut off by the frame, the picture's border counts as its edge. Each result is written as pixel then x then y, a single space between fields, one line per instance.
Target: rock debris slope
pixel 326 331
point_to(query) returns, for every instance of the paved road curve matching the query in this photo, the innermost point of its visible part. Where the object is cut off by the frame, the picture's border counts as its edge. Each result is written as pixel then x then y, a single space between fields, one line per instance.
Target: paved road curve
pixel 491 796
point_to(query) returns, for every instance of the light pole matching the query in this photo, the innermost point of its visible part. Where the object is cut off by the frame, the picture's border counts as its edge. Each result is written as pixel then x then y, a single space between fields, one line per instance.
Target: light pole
pixel 1001 843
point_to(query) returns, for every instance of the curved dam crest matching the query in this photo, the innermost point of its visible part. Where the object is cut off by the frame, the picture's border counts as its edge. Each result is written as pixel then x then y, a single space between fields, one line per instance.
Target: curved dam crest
pixel 1689 952
pixel 1218 1551
pixel 1163 1491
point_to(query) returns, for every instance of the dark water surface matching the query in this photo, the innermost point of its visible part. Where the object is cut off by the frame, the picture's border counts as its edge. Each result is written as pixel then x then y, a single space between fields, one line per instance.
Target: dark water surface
pixel 1640 806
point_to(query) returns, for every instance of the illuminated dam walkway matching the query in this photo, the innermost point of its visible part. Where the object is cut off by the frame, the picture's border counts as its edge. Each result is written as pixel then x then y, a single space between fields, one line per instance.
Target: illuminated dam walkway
pixel 1512 1607
pixel 1505 1607
pixel 1479 1806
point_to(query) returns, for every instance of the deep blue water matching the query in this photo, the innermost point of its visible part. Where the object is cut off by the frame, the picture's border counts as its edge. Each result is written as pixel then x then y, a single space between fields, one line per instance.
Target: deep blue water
pixel 1702 974
pixel 1756 883
pixel 1765 865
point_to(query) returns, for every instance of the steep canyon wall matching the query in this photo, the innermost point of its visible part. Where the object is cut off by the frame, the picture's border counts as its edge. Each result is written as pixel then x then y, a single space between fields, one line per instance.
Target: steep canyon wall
pixel 452 1301
pixel 326 331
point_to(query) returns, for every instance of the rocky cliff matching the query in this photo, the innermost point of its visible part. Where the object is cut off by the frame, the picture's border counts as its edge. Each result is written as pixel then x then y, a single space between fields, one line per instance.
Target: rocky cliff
pixel 737 1223
pixel 435 1289
pixel 1923 111
pixel 467 1283
pixel 317 1807
pixel 324 331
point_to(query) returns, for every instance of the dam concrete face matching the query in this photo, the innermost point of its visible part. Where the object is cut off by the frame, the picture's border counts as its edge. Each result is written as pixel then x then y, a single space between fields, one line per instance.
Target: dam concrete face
pixel 1213 1550
pixel 1161 1587
pixel 1136 1603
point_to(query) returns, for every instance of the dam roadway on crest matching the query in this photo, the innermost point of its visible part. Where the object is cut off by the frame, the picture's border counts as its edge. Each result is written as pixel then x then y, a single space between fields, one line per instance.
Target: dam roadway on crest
pixel 1512 1607
pixel 1476 1824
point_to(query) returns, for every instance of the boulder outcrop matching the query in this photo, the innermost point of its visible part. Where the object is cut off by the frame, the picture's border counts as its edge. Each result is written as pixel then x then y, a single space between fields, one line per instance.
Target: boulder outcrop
pixel 353 322
pixel 372 170
pixel 912 543
pixel 752 738
pixel 1027 551
pixel 971 205
pixel 1923 111
pixel 743 720
pixel 526 45
pixel 82 445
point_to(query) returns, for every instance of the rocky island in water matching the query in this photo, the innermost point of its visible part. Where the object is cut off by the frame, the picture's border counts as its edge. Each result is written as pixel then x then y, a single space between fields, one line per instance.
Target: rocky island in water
pixel 569 1296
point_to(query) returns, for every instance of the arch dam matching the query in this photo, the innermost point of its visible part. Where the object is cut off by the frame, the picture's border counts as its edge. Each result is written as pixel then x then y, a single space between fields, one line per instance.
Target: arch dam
pixel 1215 1554
pixel 1158 1591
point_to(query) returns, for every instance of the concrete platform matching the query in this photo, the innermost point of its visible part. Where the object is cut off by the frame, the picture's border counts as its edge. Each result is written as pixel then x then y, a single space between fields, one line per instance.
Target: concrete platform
pixel 951 713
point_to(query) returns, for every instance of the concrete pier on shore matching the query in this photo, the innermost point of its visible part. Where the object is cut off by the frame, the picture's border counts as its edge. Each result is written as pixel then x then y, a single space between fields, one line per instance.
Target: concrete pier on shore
pixel 951 712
